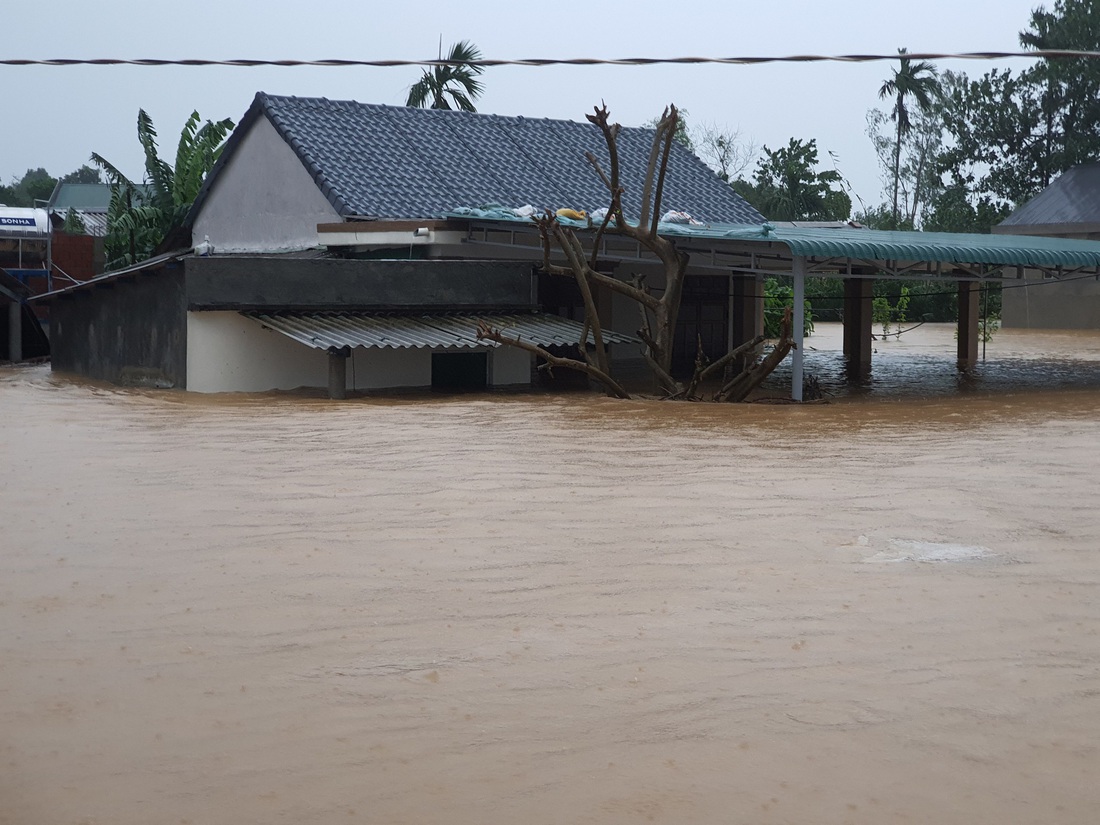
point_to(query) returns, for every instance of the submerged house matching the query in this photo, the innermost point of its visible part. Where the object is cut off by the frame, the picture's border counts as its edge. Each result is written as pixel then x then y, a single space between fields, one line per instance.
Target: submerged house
pixel 1068 208
pixel 328 248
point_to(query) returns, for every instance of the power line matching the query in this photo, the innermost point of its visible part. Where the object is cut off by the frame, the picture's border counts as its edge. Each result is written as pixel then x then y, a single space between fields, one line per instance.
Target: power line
pixel 1051 54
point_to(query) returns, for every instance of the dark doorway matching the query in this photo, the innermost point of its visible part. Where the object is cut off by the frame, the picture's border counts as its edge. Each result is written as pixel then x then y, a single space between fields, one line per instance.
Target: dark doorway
pixel 560 296
pixel 34 343
pixel 460 370
pixel 704 314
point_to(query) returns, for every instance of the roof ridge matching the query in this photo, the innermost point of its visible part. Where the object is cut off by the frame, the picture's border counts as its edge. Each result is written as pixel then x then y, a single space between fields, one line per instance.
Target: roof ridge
pixel 386 161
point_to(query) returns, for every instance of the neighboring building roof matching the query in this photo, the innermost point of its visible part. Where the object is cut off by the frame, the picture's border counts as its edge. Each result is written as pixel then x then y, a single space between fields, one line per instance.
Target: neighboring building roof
pixel 397 162
pixel 95 223
pixel 83 197
pixel 1069 205
pixel 88 200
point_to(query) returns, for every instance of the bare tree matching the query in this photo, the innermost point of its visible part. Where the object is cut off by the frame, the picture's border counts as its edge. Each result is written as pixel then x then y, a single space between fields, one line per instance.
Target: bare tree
pixel 725 150
pixel 657 314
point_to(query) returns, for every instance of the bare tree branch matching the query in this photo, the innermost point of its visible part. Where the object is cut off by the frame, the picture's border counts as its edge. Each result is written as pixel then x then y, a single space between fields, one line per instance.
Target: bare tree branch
pixel 703 370
pixel 549 225
pixel 658 196
pixel 487 333
pixel 739 388
pixel 595 163
pixel 574 252
pixel 658 314
pixel 659 135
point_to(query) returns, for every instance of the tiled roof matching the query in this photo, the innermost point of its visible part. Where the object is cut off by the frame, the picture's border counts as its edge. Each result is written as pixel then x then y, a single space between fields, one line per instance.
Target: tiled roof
pixel 1073 199
pixel 397 162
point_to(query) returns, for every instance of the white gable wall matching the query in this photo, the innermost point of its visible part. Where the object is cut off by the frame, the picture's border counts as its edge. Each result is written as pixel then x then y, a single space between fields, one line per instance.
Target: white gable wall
pixel 264 200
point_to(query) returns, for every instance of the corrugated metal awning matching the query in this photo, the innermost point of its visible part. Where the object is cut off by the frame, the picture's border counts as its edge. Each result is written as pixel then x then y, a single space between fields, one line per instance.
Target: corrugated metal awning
pixel 868 244
pixel 944 247
pixel 325 330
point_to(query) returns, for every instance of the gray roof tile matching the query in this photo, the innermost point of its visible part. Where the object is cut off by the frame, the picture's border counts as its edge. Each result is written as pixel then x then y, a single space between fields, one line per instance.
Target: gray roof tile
pixel 398 162
pixel 1072 200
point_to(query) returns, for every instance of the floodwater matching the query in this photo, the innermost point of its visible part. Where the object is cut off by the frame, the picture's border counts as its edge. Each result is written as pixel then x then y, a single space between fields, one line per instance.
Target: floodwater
pixel 558 608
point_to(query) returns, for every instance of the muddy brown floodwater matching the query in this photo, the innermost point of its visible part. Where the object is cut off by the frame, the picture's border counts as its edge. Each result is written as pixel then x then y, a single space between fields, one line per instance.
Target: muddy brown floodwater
pixel 557 609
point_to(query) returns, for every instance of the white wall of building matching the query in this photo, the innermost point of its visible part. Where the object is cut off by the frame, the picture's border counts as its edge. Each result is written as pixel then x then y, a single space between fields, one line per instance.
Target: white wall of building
pixel 264 200
pixel 509 366
pixel 227 352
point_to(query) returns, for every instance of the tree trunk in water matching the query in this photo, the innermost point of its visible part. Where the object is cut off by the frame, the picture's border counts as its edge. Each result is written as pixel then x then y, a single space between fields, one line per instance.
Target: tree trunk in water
pixel 739 388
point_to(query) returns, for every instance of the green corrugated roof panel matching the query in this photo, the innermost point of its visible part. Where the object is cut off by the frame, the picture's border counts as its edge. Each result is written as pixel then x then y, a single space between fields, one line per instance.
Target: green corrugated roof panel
pixel 81 196
pixel 872 244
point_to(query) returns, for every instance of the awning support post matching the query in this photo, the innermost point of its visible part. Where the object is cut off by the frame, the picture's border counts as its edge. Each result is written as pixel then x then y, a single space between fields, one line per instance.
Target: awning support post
pixel 858 297
pixel 798 324
pixel 338 372
pixel 15 331
pixel 969 292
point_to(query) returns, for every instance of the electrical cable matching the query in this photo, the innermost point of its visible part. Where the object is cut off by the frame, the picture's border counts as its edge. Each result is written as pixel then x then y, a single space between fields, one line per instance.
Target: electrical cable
pixel 1049 54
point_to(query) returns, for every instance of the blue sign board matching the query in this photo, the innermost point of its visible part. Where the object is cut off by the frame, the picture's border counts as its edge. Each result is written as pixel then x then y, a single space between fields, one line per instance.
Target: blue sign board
pixel 17 222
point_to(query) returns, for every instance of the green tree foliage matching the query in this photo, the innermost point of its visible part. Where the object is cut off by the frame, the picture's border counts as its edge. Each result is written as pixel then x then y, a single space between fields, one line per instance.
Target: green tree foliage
pixel 880 217
pixel 35 185
pixel 778 295
pixel 1012 134
pixel 788 187
pixel 683 133
pixel 74 224
pixel 38 185
pixel 919 176
pixel 458 82
pixel 953 211
pixel 910 80
pixel 140 216
pixel 85 174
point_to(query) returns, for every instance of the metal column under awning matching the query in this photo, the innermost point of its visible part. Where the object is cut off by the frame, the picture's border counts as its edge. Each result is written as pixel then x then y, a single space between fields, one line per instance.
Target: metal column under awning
pixel 335 330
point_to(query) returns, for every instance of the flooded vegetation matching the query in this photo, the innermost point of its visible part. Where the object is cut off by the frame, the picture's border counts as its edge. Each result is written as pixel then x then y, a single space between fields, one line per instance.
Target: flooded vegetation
pixel 559 608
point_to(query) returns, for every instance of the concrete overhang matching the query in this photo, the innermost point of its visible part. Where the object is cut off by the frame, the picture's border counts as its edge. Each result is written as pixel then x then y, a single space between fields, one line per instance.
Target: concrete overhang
pixel 389 234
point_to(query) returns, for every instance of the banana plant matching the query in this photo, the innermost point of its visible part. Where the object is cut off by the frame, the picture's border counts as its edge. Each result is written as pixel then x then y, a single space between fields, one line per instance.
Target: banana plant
pixel 141 215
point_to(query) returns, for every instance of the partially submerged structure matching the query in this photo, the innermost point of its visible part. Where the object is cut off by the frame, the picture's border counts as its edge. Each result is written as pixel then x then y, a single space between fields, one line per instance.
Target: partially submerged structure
pixel 21 336
pixel 739 255
pixel 1068 208
pixel 318 207
pixel 354 246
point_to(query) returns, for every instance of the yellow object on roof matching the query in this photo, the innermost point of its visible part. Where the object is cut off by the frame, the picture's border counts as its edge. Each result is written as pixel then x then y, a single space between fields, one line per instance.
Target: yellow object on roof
pixel 573 214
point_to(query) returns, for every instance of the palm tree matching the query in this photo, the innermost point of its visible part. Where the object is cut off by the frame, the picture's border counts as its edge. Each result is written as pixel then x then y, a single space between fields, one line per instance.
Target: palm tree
pixel 140 216
pixel 456 79
pixel 916 80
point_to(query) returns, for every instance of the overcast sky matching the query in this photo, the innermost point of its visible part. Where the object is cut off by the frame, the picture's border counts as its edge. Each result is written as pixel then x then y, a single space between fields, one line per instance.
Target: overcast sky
pixel 56 117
